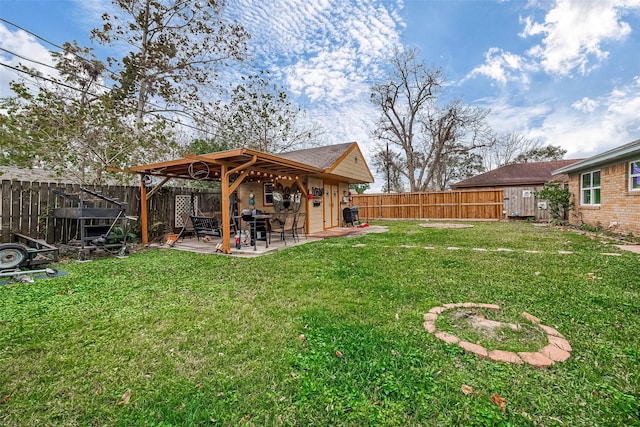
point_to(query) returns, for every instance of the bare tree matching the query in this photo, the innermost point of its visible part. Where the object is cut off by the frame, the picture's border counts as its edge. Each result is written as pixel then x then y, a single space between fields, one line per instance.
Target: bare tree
pixel 506 148
pixel 412 121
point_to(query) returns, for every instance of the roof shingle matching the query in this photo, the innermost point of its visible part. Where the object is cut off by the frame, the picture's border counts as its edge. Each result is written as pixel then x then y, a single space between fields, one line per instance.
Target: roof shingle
pixel 515 174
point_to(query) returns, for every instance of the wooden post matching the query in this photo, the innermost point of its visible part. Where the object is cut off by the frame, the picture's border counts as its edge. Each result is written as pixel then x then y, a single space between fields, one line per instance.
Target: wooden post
pixel 143 212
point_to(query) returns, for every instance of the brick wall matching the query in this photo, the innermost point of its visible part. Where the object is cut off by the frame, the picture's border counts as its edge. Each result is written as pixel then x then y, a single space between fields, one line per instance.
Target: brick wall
pixel 619 208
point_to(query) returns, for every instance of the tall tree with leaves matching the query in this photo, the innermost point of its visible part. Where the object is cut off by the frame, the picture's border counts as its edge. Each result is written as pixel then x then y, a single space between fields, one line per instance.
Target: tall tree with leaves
pixel 69 125
pixel 261 116
pixel 176 50
pixel 426 134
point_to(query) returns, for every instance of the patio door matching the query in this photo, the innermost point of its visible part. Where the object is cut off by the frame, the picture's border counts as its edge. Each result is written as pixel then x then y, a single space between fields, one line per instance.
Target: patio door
pixel 331 206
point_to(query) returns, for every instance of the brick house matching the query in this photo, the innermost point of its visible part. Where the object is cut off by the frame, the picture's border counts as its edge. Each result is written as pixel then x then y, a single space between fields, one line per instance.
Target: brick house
pixel 606 189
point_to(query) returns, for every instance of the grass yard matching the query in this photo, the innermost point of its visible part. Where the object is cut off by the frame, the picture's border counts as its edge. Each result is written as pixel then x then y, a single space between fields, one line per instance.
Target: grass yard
pixel 327 333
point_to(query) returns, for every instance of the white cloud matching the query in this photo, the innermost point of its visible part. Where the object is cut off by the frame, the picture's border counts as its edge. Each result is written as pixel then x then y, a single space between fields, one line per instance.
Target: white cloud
pixel 586 105
pixel 503 67
pixel 573 32
pixel 327 49
pixel 25 45
pixel 611 120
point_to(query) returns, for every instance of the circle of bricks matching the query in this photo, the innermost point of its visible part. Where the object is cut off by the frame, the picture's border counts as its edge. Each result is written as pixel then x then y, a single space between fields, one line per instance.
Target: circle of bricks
pixel 558 348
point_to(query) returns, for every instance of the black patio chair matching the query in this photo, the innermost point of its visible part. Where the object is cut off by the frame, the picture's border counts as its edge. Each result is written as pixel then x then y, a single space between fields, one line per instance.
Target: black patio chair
pixel 347 217
pixel 299 224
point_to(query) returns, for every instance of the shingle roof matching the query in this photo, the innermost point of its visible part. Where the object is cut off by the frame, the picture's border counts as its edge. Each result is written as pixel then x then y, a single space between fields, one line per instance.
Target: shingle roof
pixel 535 173
pixel 625 152
pixel 32 175
pixel 320 157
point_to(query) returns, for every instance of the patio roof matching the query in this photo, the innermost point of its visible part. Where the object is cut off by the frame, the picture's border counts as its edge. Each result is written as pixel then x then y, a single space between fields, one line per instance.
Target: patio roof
pixel 232 167
pixel 255 164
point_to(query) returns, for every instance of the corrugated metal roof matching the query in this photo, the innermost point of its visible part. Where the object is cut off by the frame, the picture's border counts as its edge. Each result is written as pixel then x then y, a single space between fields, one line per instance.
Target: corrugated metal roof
pixel 515 174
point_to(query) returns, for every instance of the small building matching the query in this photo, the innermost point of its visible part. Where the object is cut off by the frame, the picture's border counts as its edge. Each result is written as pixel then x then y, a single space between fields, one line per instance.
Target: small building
pixel 313 181
pixel 519 181
pixel 606 189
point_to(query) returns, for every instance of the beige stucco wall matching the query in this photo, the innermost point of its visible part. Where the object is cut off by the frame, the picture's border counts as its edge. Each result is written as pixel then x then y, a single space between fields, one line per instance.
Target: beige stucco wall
pixel 619 208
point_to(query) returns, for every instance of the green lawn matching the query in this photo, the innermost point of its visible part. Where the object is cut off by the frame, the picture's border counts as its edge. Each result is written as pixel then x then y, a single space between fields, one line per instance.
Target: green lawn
pixel 173 338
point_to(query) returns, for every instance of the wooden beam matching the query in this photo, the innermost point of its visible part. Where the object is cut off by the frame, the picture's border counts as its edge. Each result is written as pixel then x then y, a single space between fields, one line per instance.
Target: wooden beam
pixel 157 188
pixel 143 213
pixel 226 215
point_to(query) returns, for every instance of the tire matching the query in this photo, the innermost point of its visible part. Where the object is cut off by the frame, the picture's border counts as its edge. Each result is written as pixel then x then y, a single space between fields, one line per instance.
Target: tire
pixel 12 256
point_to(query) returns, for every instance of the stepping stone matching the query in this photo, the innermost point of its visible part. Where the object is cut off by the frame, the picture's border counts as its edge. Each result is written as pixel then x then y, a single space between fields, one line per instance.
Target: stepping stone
pixel 474 348
pixel 565 252
pixel 489 306
pixel 535 359
pixel 429 247
pixel 504 356
pixel 551 331
pixel 430 326
pixel 560 343
pixel 555 353
pixel 530 318
pixel 452 248
pixel 430 316
pixel 610 254
pixel 532 252
pixel 446 337
pixel 504 250
pixel 480 249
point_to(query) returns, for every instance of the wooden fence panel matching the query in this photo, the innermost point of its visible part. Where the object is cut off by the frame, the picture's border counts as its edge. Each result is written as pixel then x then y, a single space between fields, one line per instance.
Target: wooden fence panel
pixel 468 204
pixel 27 207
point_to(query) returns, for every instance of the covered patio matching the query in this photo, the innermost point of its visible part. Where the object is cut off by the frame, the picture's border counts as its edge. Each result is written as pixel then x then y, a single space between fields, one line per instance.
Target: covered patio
pixel 232 168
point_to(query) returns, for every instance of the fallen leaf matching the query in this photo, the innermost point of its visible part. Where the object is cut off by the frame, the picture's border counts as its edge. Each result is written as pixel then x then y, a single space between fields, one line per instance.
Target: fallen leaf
pixel 302 337
pixel 338 353
pixel 125 398
pixel 200 387
pixel 467 390
pixel 70 291
pixel 5 399
pixel 394 353
pixel 500 402
pixel 179 407
pixel 591 275
pixel 245 418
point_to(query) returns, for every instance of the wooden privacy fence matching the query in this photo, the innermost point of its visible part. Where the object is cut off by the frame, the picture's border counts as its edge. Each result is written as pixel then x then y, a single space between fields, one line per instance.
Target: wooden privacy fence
pixel 27 208
pixel 467 204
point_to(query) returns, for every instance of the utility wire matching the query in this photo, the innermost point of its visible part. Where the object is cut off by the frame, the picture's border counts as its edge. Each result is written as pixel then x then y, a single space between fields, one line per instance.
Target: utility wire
pixel 111 73
pixel 80 90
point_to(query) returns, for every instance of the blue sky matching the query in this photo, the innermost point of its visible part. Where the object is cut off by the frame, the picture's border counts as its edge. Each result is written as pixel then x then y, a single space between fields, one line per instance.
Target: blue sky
pixel 564 71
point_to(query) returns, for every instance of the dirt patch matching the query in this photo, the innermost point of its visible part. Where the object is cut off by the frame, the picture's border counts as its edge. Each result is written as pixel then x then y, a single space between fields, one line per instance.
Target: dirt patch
pixel 480 323
pixel 444 225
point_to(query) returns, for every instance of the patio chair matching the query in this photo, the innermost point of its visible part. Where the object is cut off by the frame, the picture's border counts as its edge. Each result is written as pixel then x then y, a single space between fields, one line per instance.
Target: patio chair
pixel 284 227
pixel 205 226
pixel 299 224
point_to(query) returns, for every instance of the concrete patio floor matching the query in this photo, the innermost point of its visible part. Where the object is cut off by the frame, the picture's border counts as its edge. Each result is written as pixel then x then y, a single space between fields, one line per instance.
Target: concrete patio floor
pixel 192 244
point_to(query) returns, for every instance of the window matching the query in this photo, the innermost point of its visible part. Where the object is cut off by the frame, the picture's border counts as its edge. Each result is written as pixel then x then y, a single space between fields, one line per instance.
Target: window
pixel 268 193
pixel 590 188
pixel 634 175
